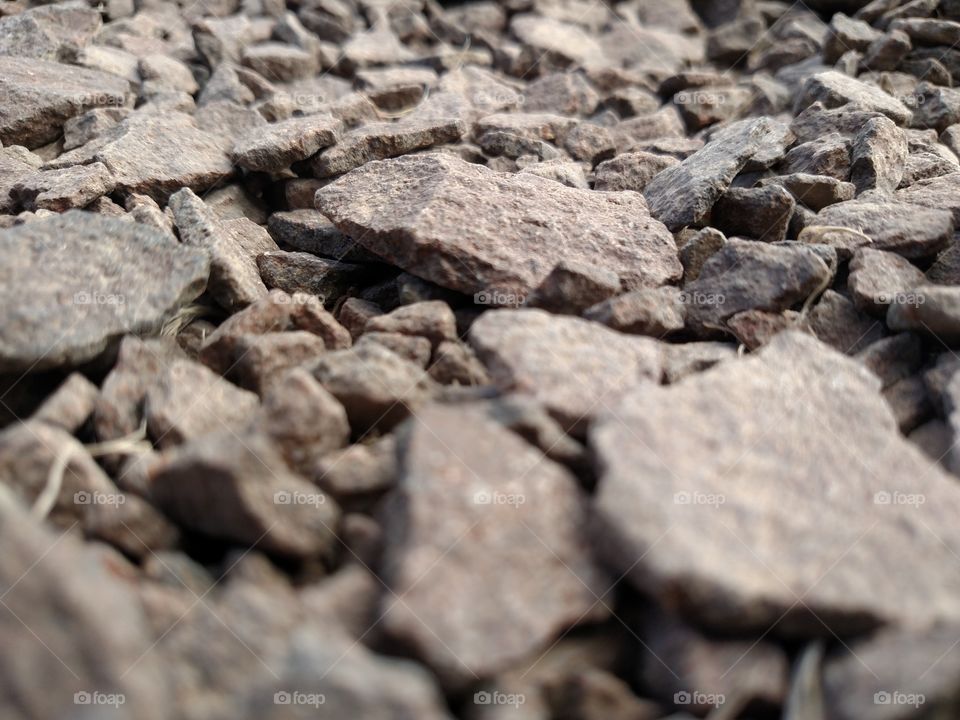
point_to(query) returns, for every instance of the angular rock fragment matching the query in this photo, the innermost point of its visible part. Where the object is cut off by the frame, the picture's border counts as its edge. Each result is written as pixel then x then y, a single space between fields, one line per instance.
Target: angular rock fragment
pixel 497 492
pixel 573 366
pixel 90 279
pixel 277 146
pixel 936 193
pixel 878 156
pixel 16 163
pixel 835 89
pixel 520 229
pixel 655 312
pixel 836 321
pixel 238 488
pixel 814 191
pixel 683 194
pixel 61 190
pixel 234 278
pixel 38 96
pixel 378 141
pixel 155 154
pixel 799 388
pixel 905 229
pixel 630 171
pixel 879 279
pixel 928 309
pixel 297 272
pixel 572 287
pixel 760 213
pixel 747 275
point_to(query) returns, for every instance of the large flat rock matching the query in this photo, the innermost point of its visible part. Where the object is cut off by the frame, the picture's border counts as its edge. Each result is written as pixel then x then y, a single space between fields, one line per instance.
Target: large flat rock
pixel 776 490
pixel 38 96
pixel 465 227
pixel 72 283
pixel 486 553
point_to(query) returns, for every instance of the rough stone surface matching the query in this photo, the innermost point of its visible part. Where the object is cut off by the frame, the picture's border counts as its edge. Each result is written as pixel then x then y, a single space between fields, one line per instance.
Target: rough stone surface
pixel 277 146
pixel 488 483
pixel 573 366
pixel 402 210
pixel 798 386
pixel 908 230
pixel 90 279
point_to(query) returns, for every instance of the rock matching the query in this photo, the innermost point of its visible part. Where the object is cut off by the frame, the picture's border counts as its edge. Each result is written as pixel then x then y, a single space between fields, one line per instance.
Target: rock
pixel 16 163
pixel 297 272
pixel 910 403
pixel 566 173
pixel 697 250
pixel 869 459
pixel 878 156
pixel 899 227
pixel 234 278
pixel 38 96
pixel 879 279
pixel 454 363
pixel 574 367
pixel 70 405
pixel 238 489
pixel 828 155
pixel 655 312
pixel 61 190
pixel 496 491
pixel 572 287
pixel 280 62
pixel 309 231
pixel 890 690
pixel 396 89
pixel 28 452
pixel 747 275
pixel 277 146
pixel 562 93
pixel 683 194
pixel 761 213
pixel 433 320
pixel 48 32
pixel 378 141
pixel 938 193
pixel 90 279
pixel 361 470
pixel 187 401
pixel 835 89
pixel 846 34
pixel 814 191
pixel 893 358
pixel 397 208
pixel 630 171
pixel 887 51
pixel 928 309
pixel 262 360
pixel 377 387
pixel 155 154
pixel 410 347
pixel 95 640
pixel 356 313
pixel 554 45
pixel 836 321
pixel 304 421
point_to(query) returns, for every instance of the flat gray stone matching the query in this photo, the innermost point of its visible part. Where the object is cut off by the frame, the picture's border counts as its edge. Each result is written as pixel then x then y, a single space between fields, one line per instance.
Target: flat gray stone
pixel 930 310
pixel 16 163
pixel 61 190
pixel 790 495
pixel 481 607
pixel 38 96
pixel 835 89
pixel 378 141
pixel 411 211
pixel 90 279
pixel 574 367
pixel 155 154
pixel 275 147
pixel 900 227
pixel 942 193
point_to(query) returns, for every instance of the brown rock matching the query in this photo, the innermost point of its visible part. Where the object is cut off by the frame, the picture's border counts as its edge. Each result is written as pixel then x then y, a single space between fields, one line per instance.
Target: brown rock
pixel 397 208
